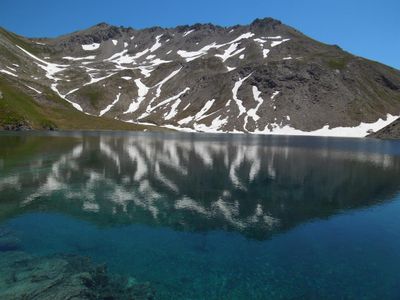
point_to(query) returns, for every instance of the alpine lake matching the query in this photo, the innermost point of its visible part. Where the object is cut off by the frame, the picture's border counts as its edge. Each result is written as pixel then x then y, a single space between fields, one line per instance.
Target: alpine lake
pixel 198 216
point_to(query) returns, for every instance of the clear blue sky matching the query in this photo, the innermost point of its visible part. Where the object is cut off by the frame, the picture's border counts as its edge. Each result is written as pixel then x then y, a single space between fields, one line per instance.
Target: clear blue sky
pixel 369 28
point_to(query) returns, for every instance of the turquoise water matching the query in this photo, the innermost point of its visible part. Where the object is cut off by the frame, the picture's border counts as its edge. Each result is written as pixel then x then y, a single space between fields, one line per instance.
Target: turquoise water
pixel 212 216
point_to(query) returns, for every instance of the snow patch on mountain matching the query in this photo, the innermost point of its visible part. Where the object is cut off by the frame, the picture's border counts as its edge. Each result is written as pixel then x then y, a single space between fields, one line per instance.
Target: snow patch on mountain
pixel 243 36
pixel 199 115
pixel 162 82
pixel 188 32
pixel 91 47
pixel 157 43
pixel 50 68
pixel 94 79
pixel 192 55
pixel 230 52
pixel 33 89
pixel 276 43
pixel 8 73
pixel 142 92
pixel 104 111
pixel 75 105
pixel 90 57
pixel 235 90
pixel 173 98
pixel 214 127
pixel 253 111
pixel 362 130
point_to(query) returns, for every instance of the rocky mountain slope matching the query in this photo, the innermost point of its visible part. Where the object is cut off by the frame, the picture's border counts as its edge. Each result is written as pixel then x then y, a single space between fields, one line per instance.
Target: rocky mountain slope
pixel 265 77
pixel 392 131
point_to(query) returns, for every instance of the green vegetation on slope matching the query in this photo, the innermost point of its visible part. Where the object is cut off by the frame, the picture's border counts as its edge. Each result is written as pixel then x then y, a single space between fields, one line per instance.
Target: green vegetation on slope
pixel 338 63
pixel 92 95
pixel 19 110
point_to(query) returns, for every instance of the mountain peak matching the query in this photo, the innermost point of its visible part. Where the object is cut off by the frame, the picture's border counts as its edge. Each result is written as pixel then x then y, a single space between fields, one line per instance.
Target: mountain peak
pixel 102 25
pixel 265 22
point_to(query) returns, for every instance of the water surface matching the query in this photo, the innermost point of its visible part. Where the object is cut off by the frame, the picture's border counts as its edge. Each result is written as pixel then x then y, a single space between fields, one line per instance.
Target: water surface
pixel 212 216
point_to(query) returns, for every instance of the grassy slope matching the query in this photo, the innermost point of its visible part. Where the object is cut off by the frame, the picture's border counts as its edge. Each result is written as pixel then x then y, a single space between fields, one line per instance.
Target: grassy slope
pixel 17 107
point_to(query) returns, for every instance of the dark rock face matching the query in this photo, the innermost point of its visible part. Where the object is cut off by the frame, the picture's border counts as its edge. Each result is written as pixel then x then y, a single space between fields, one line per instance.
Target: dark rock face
pixel 98 34
pixel 272 23
pixel 387 83
pixel 21 126
pixel 257 78
pixel 392 131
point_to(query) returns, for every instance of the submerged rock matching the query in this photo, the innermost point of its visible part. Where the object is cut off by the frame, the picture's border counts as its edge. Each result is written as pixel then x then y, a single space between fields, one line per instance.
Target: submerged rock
pixel 8 242
pixel 62 277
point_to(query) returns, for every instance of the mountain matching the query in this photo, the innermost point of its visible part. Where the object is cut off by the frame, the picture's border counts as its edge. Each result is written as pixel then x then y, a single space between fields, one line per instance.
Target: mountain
pixel 265 77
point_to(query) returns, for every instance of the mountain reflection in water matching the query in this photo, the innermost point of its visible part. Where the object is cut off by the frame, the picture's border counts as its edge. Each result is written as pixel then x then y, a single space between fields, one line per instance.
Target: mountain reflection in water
pixel 257 186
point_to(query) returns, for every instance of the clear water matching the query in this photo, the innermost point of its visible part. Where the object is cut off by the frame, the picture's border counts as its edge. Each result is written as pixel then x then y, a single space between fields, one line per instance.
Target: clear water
pixel 212 216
